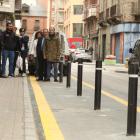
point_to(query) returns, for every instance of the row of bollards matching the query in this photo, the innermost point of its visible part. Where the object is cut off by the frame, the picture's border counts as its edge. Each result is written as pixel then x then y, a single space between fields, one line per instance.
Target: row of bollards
pixel 132 92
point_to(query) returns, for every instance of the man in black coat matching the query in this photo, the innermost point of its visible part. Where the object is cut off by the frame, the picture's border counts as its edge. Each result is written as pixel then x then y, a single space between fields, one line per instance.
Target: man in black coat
pixel 41 61
pixel 23 49
pixel 9 41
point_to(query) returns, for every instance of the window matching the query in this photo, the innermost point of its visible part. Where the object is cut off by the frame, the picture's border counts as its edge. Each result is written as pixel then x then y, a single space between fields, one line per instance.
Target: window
pixel 77 29
pixel 53 4
pixel 85 29
pixel 53 15
pixel 25 9
pixel 36 28
pixel 24 23
pixel 78 9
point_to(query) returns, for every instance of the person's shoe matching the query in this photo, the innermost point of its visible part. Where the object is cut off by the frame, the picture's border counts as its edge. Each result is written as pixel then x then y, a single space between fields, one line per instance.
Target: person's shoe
pixel 4 76
pixel 39 79
pixel 24 74
pixel 55 80
pixel 19 75
pixel 11 75
pixel 47 80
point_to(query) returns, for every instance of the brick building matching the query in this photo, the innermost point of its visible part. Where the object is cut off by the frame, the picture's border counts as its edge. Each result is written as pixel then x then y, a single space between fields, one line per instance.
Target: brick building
pixel 90 18
pixel 119 27
pixel 33 18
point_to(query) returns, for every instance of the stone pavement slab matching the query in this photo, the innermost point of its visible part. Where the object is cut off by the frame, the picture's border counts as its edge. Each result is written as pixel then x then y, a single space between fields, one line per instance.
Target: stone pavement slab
pixel 16 115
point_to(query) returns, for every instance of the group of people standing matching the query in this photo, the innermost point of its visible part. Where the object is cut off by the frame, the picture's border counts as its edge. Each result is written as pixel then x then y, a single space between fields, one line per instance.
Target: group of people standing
pixel 12 46
pixel 46 51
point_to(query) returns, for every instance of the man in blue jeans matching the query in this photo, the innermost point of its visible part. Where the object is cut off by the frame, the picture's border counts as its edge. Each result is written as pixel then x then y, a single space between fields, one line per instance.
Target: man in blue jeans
pixel 51 52
pixel 9 41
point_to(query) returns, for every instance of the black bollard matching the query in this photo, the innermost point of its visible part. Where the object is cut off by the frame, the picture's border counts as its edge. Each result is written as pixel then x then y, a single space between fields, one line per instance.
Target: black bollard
pixel 98 82
pixel 69 73
pixel 79 78
pixel 61 70
pixel 132 100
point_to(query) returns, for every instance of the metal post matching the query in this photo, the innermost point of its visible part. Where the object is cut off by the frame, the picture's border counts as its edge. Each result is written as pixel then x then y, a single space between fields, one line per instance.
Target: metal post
pixel 132 100
pixel 98 82
pixel 69 73
pixel 79 78
pixel 61 70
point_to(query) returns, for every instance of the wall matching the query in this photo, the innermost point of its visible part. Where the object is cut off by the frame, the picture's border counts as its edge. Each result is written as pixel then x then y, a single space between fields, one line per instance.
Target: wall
pixel 31 24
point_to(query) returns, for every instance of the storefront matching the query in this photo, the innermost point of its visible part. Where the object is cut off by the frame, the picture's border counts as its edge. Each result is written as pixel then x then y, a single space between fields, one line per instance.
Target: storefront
pixel 124 37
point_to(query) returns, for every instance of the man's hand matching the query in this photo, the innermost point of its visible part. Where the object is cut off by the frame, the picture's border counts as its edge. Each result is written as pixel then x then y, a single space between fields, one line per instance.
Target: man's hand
pixel 19 54
pixel 20 36
pixel 57 57
pixel 44 57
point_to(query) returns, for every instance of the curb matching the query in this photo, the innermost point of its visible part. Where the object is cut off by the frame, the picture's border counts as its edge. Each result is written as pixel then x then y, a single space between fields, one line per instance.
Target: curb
pixel 30 129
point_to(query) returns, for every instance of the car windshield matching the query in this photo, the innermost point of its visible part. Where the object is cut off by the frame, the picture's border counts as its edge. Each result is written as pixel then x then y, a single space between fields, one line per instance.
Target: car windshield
pixel 83 51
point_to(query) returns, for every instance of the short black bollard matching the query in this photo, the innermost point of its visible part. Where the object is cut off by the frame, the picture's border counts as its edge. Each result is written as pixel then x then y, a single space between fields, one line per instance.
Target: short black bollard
pixel 69 73
pixel 132 100
pixel 61 70
pixel 79 78
pixel 98 83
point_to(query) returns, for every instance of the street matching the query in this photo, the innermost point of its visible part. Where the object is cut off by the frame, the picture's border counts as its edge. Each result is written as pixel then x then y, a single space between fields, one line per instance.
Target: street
pixel 75 115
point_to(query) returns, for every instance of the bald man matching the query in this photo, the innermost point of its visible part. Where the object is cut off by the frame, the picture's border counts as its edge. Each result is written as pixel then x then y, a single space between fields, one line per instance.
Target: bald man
pixel 51 52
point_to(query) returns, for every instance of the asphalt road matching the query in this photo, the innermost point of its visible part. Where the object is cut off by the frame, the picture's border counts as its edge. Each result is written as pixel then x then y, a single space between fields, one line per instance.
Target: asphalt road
pixel 75 115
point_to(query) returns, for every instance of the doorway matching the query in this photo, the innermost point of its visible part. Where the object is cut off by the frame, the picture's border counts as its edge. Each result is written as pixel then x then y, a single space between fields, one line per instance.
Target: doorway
pixel 117 48
pixel 104 47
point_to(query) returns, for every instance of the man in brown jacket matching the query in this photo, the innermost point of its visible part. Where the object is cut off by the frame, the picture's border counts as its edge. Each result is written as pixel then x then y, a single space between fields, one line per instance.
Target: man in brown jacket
pixel 51 52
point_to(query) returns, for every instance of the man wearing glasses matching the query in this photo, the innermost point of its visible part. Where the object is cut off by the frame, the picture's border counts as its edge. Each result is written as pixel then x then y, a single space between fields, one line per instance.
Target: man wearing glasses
pixel 23 49
pixel 9 40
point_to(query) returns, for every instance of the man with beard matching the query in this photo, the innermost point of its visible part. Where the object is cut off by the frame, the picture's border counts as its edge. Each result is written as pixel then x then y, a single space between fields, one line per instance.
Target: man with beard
pixel 9 40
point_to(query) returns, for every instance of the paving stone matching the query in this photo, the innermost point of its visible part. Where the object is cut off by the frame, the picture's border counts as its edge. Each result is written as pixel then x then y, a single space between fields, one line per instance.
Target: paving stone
pixel 30 138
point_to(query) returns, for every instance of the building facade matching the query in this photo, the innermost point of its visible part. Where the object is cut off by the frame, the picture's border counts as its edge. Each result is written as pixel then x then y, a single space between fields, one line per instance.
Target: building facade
pixel 33 18
pixel 119 28
pixel 90 18
pixel 9 12
pixel 59 15
pixel 73 24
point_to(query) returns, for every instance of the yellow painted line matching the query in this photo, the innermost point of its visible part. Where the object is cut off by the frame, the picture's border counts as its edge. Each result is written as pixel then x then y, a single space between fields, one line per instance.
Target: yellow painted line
pixel 108 94
pixel 50 126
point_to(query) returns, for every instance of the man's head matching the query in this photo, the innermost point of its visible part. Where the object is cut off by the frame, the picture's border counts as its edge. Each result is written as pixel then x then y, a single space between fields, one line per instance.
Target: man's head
pixel 45 32
pixel 22 31
pixel 14 29
pixel 9 27
pixel 52 30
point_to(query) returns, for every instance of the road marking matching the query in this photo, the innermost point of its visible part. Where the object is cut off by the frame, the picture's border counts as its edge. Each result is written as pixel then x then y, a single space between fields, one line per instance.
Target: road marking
pixel 50 126
pixel 108 94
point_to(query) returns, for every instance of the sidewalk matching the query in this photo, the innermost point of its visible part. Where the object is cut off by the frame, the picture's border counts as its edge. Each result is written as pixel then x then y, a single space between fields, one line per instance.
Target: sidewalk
pixel 16 116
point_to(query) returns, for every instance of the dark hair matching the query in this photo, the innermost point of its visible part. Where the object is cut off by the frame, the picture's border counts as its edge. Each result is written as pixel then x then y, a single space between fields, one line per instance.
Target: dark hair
pixel 45 29
pixel 37 34
pixel 20 30
pixel 7 24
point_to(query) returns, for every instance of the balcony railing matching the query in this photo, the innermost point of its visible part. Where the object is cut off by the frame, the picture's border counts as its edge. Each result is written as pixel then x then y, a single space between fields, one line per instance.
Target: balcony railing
pixel 115 10
pixel 36 28
pixel 135 8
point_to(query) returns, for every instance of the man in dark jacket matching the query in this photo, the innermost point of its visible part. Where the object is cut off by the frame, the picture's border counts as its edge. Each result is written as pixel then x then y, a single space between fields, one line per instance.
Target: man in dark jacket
pixel 23 49
pixel 9 46
pixel 1 47
pixel 42 62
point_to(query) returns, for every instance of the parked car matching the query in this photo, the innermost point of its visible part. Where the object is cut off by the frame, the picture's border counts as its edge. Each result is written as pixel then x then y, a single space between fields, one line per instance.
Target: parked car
pixel 64 53
pixel 82 53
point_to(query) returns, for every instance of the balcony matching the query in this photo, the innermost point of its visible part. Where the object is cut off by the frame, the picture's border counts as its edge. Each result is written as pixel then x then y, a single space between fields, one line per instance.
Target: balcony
pixel 7 6
pixel 18 8
pixel 102 19
pixel 113 15
pixel 36 28
pixel 90 12
pixel 61 6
